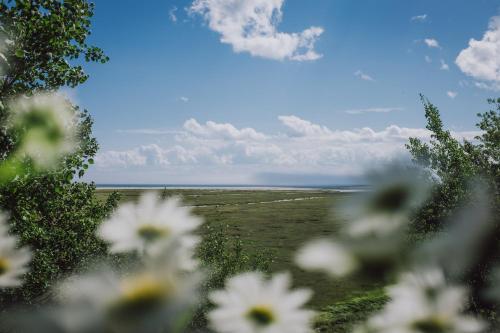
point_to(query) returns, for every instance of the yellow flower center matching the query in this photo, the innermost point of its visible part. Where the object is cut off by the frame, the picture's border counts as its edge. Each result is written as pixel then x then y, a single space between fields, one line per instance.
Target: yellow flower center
pixel 391 199
pixel 140 295
pixel 4 266
pixel 434 324
pixel 45 124
pixel 151 233
pixel 261 315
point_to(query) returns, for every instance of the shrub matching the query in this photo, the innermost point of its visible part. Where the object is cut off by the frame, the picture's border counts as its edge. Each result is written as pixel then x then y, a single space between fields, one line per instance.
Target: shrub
pixel 222 256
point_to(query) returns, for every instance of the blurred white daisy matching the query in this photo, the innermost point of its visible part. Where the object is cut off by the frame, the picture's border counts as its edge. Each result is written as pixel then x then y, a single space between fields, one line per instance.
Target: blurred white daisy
pixel 47 123
pixel 422 302
pixel 327 256
pixel 145 301
pixel 375 225
pixel 250 303
pixel 150 225
pixel 13 261
pixel 177 254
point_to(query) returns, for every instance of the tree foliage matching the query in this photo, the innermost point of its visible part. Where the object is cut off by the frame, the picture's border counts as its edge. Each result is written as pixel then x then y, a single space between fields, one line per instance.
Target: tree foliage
pixel 44 37
pixel 454 163
pixel 456 166
pixel 42 41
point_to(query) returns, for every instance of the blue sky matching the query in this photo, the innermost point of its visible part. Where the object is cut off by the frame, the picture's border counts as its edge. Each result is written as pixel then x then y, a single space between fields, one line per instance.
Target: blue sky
pixel 214 91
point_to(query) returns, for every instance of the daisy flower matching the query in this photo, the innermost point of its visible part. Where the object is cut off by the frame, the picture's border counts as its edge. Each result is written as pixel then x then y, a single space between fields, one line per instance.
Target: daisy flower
pixel 149 225
pixel 375 225
pixel 149 300
pixel 250 303
pixel 422 303
pixel 48 126
pixel 327 256
pixel 13 261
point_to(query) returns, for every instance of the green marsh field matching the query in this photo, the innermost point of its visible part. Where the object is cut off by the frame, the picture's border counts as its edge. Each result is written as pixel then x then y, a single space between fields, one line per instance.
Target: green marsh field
pixel 276 220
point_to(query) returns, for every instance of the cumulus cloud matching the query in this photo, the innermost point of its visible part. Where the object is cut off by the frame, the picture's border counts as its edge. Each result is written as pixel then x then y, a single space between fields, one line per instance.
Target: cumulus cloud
pixel 221 131
pixel 419 18
pixel 452 94
pixel 481 60
pixel 363 76
pixel 373 110
pixel 304 147
pixel 251 26
pixel 301 127
pixel 431 42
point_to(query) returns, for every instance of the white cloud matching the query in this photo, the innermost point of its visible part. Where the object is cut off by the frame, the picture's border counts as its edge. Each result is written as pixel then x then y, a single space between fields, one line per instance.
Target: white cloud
pixel 221 131
pixel 444 66
pixel 227 152
pixel 251 26
pixel 428 59
pixel 452 94
pixel 373 110
pixel 419 18
pixel 184 99
pixel 301 127
pixel 171 14
pixel 363 76
pixel 431 42
pixel 481 60
pixel 494 86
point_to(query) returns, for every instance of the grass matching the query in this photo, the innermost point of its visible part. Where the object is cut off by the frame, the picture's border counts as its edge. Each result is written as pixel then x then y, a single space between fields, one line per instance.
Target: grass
pixel 342 316
pixel 281 221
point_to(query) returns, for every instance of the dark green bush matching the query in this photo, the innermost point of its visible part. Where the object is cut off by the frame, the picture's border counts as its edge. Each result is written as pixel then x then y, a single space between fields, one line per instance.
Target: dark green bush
pixel 59 229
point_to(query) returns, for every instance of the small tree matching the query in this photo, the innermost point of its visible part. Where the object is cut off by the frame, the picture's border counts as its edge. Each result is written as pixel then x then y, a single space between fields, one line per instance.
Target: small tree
pixel 40 41
pixel 454 164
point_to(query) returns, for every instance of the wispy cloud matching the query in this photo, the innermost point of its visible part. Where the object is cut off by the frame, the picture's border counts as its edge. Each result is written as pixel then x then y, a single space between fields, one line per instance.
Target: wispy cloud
pixel 251 26
pixel 444 66
pixel 432 43
pixel 147 131
pixel 184 99
pixel 452 94
pixel 428 59
pixel 363 76
pixel 171 14
pixel 419 18
pixel 373 110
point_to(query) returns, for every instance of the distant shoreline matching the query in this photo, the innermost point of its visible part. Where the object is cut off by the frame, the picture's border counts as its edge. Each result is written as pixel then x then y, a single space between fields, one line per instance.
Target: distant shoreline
pixel 337 188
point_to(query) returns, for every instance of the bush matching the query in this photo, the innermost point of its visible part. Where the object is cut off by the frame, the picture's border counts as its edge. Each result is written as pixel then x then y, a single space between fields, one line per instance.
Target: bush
pixel 59 230
pixel 222 256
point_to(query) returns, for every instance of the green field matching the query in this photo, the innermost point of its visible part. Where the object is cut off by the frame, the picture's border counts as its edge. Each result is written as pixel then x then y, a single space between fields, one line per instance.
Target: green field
pixel 278 220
